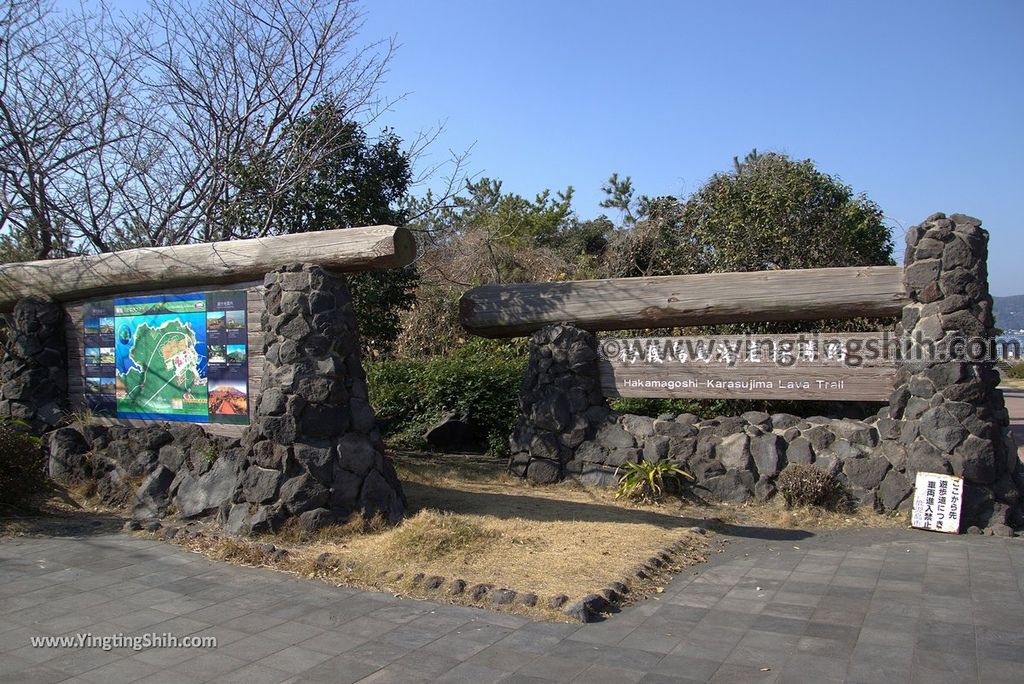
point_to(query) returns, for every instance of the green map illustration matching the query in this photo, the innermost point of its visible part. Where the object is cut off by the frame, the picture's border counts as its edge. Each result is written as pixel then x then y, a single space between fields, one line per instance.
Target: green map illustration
pixel 165 376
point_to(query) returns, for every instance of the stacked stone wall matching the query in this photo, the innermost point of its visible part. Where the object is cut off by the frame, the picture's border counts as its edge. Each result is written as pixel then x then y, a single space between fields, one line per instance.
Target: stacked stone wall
pixel 33 365
pixel 946 415
pixel 313 450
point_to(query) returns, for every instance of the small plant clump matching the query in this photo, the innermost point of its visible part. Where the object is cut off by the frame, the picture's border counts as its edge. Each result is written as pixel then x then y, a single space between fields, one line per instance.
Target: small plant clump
pixel 22 465
pixel 1016 371
pixel 435 535
pixel 807 485
pixel 649 482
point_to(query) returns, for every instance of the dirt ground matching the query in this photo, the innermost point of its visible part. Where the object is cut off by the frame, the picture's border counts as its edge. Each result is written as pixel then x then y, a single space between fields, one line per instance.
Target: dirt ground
pixel 61 513
pixel 477 485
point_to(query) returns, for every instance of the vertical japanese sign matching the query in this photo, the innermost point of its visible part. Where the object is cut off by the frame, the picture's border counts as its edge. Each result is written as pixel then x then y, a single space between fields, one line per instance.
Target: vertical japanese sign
pixel 937 502
pixel 168 357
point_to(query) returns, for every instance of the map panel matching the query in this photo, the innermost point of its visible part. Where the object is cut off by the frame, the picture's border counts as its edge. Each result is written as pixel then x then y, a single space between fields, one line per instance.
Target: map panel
pixel 168 357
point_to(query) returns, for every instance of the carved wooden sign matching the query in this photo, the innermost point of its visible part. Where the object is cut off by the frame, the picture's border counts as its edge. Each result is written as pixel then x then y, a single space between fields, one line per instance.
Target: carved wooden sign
pixel 816 366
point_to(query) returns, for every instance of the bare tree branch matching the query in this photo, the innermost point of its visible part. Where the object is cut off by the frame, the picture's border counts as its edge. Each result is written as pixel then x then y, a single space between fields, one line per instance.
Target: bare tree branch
pixel 121 130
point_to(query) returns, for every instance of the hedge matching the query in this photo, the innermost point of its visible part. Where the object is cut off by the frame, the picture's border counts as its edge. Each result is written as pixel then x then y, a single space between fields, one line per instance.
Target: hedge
pixel 481 381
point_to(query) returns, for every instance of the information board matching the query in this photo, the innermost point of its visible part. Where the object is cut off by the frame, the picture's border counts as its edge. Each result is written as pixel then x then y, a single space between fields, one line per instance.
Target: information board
pixel 177 357
pixel 937 502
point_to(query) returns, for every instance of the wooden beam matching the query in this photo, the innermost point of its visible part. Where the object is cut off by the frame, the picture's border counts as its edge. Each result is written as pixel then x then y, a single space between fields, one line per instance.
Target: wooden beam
pixel 808 366
pixel 346 250
pixel 670 301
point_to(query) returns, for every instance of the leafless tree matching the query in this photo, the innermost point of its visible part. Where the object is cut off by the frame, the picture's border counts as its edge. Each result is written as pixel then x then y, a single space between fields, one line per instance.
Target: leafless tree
pixel 67 129
pixel 121 131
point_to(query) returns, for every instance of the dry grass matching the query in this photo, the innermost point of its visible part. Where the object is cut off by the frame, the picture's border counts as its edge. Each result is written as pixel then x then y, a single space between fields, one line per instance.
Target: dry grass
pixel 775 515
pixel 469 520
pixel 436 479
pixel 474 524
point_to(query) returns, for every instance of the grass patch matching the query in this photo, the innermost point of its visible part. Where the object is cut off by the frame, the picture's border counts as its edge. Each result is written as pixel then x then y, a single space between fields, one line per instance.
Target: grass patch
pixel 469 520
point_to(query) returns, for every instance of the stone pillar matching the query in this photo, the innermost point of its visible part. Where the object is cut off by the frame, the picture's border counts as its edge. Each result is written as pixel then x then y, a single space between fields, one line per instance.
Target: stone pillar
pixel 954 418
pixel 33 365
pixel 561 406
pixel 313 450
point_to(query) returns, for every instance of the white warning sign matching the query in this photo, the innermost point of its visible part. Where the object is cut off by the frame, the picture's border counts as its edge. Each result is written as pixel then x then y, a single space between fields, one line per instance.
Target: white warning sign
pixel 937 502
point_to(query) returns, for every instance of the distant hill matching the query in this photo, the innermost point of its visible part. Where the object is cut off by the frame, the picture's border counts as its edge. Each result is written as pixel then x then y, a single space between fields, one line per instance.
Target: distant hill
pixel 1009 312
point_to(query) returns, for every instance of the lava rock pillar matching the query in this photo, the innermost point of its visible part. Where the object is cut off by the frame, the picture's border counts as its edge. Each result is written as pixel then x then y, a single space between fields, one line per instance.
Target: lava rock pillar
pixel 954 417
pixel 33 367
pixel 313 450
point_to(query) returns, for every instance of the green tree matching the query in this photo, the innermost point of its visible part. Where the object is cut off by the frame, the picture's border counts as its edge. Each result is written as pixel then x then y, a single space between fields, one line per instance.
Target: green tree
pixel 486 235
pixel 483 235
pixel 774 212
pixel 768 212
pixel 358 182
pixel 583 245
pixel 654 240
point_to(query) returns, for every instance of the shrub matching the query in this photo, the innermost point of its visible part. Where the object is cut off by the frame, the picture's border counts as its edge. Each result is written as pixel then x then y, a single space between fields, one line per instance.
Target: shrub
pixel 22 466
pixel 807 485
pixel 1016 371
pixel 478 381
pixel 646 481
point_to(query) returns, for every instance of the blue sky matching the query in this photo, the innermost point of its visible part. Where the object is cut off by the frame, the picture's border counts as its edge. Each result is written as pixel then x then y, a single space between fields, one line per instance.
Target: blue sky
pixel 918 104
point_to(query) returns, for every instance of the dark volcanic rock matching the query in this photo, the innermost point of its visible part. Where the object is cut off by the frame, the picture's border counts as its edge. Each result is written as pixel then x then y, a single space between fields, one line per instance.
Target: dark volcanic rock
pixel 196 496
pixel 68 456
pixel 732 486
pixel 453 432
pixel 151 500
pixel 543 471
pixel 865 472
pixel 313 451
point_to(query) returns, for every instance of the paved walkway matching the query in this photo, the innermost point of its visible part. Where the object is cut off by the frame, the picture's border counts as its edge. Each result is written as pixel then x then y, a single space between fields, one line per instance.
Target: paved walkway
pixel 860 606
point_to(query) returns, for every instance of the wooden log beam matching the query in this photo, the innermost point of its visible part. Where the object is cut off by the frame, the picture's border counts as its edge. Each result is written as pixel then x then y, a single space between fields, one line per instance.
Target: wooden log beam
pixel 346 250
pixel 670 301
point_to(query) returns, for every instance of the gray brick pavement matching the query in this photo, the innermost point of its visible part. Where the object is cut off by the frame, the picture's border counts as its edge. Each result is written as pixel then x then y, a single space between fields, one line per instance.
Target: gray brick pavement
pixel 853 606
